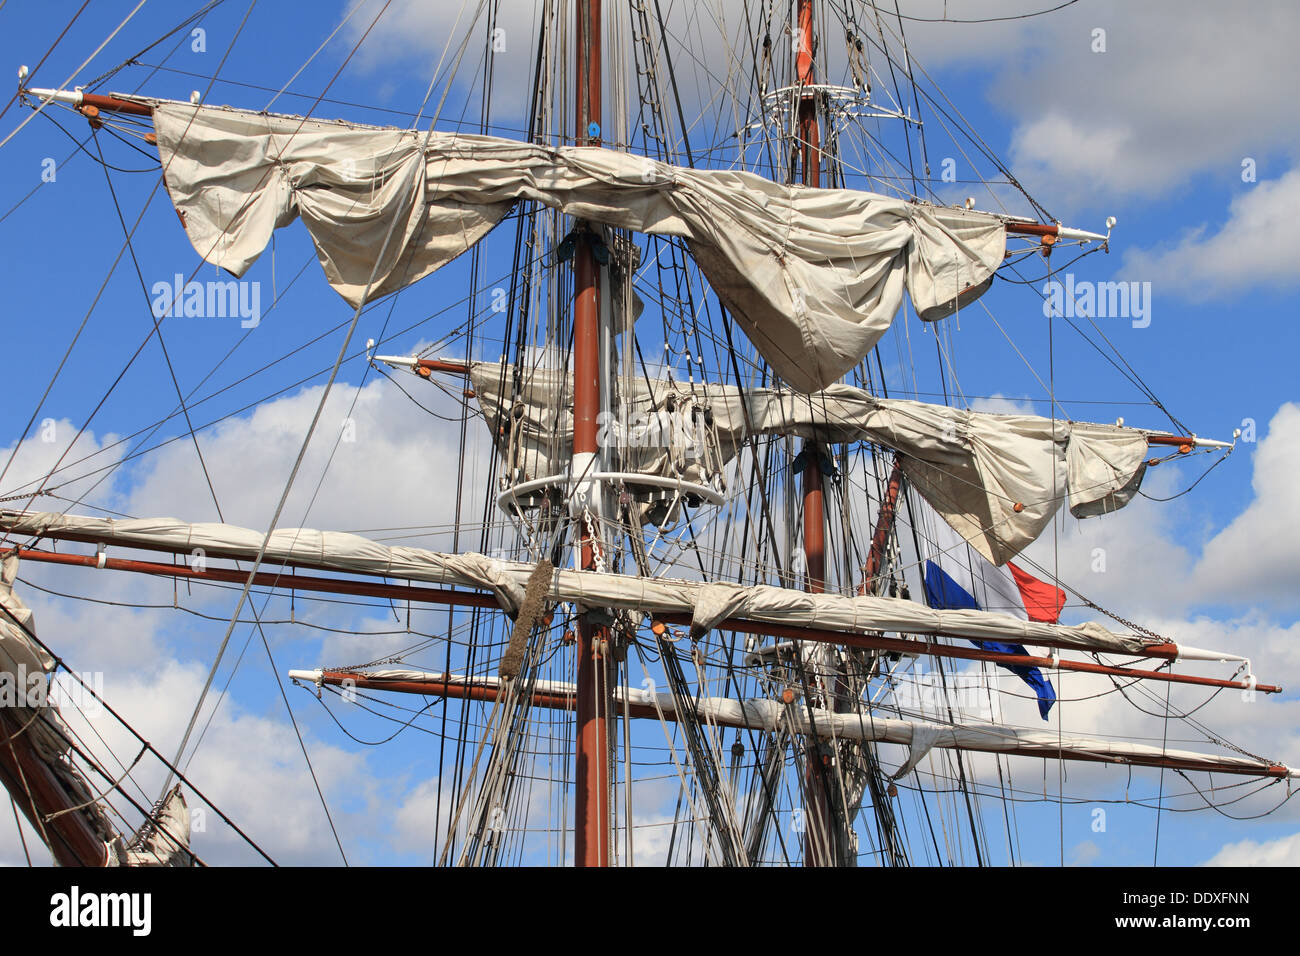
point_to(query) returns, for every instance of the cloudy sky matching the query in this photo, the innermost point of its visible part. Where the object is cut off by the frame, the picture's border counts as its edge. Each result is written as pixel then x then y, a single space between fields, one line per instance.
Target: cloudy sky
pixel 1172 117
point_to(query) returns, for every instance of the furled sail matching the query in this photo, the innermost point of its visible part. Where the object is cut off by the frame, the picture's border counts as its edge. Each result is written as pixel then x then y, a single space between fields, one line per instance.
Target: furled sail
pixel 996 479
pixel 814 276
pixel 708 604
pixel 165 842
pixel 920 736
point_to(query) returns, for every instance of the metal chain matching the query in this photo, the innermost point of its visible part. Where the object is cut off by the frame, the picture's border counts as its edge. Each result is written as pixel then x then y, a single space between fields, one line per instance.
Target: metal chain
pixel 33 494
pixel 1125 621
pixel 598 556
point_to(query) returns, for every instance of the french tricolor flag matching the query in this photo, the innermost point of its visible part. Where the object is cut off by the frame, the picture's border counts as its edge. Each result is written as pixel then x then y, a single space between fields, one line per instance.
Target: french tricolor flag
pixel 960 578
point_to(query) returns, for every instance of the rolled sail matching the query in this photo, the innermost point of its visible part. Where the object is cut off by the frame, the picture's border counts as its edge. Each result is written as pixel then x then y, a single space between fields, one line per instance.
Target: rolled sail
pixel 920 736
pixel 708 604
pixel 996 479
pixel 814 276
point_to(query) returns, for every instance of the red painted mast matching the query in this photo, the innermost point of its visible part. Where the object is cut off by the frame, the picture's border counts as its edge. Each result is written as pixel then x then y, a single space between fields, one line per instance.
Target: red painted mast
pixel 884 525
pixel 591 801
pixel 807 150
pixel 44 800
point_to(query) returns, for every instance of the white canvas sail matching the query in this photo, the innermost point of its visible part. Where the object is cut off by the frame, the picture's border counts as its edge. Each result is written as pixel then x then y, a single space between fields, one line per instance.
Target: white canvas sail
pixel 778 697
pixel 815 277
pixel 708 604
pixel 997 480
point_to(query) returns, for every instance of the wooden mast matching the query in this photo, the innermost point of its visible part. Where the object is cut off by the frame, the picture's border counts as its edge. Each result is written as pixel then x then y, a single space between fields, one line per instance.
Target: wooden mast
pixel 44 800
pixel 809 151
pixel 884 526
pixel 592 762
pixel 818 829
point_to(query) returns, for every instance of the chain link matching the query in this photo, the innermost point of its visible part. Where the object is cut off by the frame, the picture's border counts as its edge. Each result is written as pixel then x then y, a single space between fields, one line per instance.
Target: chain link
pixel 31 494
pixel 598 556
pixel 1126 622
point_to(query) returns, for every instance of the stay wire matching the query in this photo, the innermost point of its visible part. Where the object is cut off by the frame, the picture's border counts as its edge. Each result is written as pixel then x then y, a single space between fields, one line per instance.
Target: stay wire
pixel 302 452
pixel 212 490
pixel 45 56
pixel 135 58
pixel 49 99
pixel 60 662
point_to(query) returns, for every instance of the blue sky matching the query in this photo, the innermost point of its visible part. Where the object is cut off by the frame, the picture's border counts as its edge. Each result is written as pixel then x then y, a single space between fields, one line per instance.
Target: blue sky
pixel 1177 126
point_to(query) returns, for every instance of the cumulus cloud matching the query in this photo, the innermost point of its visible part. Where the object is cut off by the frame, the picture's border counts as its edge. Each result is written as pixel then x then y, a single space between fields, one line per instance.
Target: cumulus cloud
pixel 1129 120
pixel 999 404
pixel 1133 120
pixel 1254 558
pixel 49 459
pixel 251 765
pixel 1252 248
pixel 1153 555
pixel 381 452
pixel 374 447
pixel 430 37
pixel 1125 560
pixel 149 664
pixel 1142 565
pixel 1284 851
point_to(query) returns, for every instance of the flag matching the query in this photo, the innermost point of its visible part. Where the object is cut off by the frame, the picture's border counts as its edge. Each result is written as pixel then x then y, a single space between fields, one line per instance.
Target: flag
pixel 1042 601
pixel 1005 590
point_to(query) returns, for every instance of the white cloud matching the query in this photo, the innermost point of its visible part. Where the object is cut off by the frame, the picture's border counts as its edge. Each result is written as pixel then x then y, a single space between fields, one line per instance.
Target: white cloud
pixel 1134 562
pixel 1135 120
pixel 55 444
pixel 153 661
pixel 423 811
pixel 1085 853
pixel 1127 122
pixel 249 765
pixel 1054 142
pixel 1255 557
pixel 1180 89
pixel 999 404
pixel 391 464
pixel 1254 247
pixel 250 762
pixel 1125 560
pixel 1284 851
pixel 431 34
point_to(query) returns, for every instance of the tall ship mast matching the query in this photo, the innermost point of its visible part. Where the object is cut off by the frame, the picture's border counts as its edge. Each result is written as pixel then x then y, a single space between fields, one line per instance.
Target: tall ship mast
pixel 710 594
